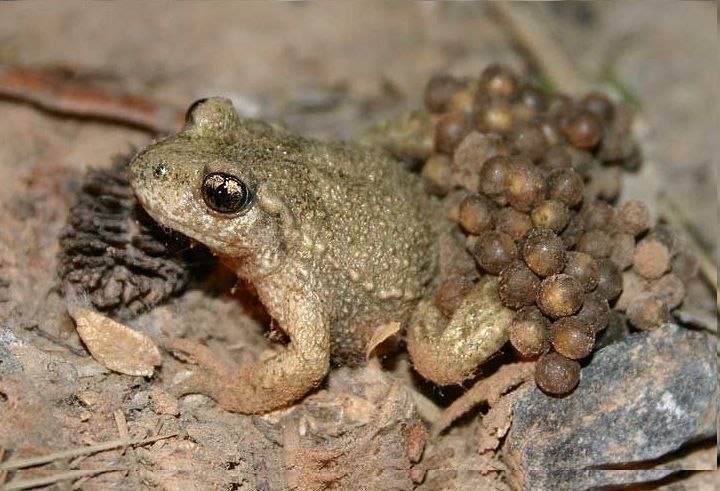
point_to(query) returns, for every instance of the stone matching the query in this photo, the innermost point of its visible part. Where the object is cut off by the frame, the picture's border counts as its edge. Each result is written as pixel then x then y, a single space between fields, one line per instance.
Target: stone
pixel 639 399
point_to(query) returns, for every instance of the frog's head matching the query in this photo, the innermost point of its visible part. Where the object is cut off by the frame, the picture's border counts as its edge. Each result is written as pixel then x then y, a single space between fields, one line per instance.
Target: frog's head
pixel 200 182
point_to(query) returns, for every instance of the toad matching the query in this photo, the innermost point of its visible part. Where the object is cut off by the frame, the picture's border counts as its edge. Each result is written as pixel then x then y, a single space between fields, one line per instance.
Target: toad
pixel 337 239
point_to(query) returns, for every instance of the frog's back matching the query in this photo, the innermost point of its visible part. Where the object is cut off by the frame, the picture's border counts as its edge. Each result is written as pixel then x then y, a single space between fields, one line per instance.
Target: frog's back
pixel 366 222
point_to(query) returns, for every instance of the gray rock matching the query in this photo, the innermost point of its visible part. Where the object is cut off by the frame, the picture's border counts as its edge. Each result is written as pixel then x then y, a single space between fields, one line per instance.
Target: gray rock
pixel 638 400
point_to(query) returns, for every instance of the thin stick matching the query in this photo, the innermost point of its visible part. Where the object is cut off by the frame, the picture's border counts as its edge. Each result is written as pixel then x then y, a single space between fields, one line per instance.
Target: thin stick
pixel 74 452
pixel 488 389
pixel 62 476
pixel 122 427
pixel 67 95
pixel 539 45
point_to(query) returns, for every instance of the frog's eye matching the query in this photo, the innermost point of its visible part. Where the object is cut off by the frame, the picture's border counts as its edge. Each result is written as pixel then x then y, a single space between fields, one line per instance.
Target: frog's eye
pixel 225 193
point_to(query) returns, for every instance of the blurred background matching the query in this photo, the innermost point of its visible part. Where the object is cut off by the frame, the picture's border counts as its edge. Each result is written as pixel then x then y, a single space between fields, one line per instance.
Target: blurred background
pixel 332 68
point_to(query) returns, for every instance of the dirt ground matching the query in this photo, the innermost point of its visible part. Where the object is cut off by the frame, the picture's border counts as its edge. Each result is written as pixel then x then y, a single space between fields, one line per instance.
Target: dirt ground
pixel 327 69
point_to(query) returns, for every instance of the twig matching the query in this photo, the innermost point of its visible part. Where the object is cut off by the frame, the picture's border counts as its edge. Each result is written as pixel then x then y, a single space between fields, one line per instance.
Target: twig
pixel 122 427
pixel 488 389
pixel 706 323
pixel 538 44
pixel 56 340
pixel 64 92
pixel 74 452
pixel 62 476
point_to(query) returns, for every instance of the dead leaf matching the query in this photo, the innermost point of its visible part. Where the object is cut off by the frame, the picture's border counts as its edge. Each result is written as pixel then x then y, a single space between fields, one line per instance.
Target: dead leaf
pixel 116 346
pixel 381 334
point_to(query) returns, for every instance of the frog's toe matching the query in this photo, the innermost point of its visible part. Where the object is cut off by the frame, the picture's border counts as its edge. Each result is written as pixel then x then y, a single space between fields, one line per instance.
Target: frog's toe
pixel 198 382
pixel 200 355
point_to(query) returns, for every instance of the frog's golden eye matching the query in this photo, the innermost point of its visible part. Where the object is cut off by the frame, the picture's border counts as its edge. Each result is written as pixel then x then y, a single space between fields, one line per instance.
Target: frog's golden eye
pixel 225 194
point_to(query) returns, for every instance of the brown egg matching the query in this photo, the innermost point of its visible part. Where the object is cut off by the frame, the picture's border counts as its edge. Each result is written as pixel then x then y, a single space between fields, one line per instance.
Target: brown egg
pixel 651 259
pixel 451 204
pixel 610 280
pixel 512 222
pixel 584 129
pixel 529 332
pixel 573 232
pixel 437 174
pixel 595 313
pixel 670 289
pixel 551 214
pixel 597 215
pixel 499 81
pixel 476 214
pixel 544 252
pixel 596 243
pixel 524 185
pixel 494 116
pixel 493 175
pixel 571 338
pixel 560 295
pixel 530 141
pixel 667 236
pixel 632 217
pixel 451 128
pixel 552 133
pixel 518 285
pixel 529 103
pixel 439 90
pixel 463 101
pixel 493 251
pixel 685 265
pixel 623 249
pixel 583 267
pixel 557 157
pixel 600 105
pixel 582 161
pixel 565 185
pixel 648 313
pixel 556 375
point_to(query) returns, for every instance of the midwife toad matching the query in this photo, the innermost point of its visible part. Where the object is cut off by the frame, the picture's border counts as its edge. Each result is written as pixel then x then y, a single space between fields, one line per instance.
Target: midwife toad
pixel 336 238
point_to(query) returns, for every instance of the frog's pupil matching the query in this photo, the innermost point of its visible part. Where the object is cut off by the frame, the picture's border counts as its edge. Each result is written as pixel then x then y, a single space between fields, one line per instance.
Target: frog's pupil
pixel 160 170
pixel 225 193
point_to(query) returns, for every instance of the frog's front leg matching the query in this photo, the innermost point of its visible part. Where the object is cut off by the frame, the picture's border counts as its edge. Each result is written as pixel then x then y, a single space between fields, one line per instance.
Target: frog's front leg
pixel 448 352
pixel 273 383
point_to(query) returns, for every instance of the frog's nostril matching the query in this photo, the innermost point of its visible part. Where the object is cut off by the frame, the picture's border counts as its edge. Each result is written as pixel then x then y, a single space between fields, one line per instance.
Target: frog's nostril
pixel 160 170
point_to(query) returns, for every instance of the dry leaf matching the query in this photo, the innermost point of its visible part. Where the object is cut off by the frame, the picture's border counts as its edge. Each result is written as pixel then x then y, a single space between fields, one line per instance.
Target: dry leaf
pixel 116 346
pixel 381 334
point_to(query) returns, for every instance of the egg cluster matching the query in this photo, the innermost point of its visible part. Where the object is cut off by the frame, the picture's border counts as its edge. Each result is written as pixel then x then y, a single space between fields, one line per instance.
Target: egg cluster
pixel 530 179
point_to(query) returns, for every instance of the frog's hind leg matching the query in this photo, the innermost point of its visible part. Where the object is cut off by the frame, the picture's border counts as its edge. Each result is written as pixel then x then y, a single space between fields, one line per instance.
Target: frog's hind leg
pixel 269 384
pixel 447 352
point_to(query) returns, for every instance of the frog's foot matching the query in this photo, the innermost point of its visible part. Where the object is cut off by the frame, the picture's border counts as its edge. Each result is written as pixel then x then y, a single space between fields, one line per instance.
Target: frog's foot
pixel 448 352
pixel 266 385
pixel 209 379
